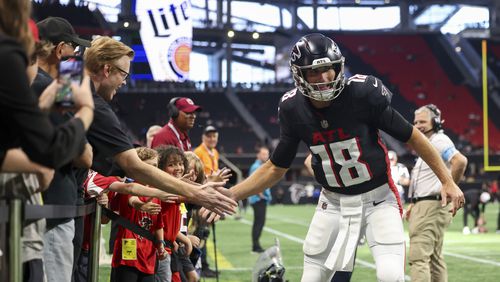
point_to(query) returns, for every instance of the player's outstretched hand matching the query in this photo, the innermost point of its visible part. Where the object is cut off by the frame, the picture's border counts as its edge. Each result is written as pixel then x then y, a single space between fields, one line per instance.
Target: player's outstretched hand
pixel 451 193
pixel 211 198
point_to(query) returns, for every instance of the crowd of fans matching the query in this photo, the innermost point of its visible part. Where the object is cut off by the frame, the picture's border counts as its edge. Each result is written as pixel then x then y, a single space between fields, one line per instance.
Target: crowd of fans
pixel 54 149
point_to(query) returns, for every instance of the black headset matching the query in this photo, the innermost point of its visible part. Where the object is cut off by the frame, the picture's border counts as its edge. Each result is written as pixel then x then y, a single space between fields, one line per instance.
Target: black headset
pixel 437 124
pixel 172 108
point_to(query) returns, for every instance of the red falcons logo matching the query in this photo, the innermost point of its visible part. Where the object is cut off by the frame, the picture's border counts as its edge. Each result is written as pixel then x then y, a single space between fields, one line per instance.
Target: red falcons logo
pixel 145 223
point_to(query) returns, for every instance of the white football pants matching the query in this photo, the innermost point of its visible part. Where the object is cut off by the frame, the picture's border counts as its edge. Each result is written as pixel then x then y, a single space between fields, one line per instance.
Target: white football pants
pixel 339 222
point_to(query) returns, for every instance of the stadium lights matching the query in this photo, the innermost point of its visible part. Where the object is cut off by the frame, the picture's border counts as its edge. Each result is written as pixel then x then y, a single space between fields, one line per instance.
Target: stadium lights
pixel 458 49
pixel 230 34
pixel 255 35
pixel 126 24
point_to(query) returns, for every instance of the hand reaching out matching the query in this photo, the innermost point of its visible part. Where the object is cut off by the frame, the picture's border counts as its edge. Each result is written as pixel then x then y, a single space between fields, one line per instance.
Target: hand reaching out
pixel 169 198
pixel 209 216
pixel 214 197
pixel 221 175
pixel 150 207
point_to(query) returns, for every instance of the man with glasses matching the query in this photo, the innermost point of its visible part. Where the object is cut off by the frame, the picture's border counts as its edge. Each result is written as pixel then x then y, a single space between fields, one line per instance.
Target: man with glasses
pixel 62 240
pixel 108 64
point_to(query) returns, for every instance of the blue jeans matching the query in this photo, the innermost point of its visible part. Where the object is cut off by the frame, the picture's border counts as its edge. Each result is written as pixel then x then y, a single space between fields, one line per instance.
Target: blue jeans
pixel 58 252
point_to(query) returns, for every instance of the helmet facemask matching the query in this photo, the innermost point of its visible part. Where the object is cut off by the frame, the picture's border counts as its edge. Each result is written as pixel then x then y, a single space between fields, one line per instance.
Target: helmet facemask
pixel 321 91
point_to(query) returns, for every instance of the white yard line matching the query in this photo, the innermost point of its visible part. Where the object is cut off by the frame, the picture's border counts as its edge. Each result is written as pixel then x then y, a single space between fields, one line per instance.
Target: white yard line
pixel 479 260
pixel 300 223
pixel 472 258
pixel 301 241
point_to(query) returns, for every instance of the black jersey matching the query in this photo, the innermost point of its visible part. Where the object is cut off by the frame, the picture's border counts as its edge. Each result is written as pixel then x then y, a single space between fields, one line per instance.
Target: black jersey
pixel 349 156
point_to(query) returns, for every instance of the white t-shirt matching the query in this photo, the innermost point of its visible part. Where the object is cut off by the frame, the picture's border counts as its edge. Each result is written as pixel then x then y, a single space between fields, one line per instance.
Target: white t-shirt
pixel 423 181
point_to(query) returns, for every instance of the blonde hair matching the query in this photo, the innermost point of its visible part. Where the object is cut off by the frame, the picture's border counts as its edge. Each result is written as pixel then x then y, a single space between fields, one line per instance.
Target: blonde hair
pixel 105 50
pixel 44 48
pixel 198 166
pixel 145 153
pixel 14 22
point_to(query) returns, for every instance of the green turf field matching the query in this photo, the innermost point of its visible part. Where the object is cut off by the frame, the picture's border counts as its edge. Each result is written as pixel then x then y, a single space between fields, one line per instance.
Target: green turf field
pixel 469 257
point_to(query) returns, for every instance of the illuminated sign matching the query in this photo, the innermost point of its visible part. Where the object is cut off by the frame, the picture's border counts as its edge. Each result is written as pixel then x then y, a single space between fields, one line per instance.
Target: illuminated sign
pixel 166 34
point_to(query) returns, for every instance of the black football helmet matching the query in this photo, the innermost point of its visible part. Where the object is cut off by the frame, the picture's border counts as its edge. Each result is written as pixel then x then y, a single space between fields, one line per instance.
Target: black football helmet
pixel 315 51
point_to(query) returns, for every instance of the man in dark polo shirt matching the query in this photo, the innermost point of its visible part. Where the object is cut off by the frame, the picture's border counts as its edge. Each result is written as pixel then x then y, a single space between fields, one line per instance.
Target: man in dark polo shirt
pixel 57 40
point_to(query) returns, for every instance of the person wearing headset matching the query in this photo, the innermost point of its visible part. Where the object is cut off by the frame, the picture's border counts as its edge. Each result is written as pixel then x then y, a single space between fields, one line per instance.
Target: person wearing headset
pixel 175 132
pixel 428 218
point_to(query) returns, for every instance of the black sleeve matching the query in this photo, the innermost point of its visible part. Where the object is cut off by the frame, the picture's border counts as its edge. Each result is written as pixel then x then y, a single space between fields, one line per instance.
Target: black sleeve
pixel 2 156
pixel 40 83
pixel 288 144
pixel 106 137
pixel 23 120
pixel 395 125
pixel 379 97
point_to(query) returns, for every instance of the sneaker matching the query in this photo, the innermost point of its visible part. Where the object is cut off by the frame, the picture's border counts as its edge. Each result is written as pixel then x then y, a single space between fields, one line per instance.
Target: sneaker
pixel 258 250
pixel 208 273
pixel 498 231
pixel 466 230
pixel 475 230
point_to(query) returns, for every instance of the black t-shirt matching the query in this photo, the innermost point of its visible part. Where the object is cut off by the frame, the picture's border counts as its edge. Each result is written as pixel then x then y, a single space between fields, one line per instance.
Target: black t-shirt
pixel 107 139
pixel 42 80
pixel 2 156
pixel 22 123
pixel 349 156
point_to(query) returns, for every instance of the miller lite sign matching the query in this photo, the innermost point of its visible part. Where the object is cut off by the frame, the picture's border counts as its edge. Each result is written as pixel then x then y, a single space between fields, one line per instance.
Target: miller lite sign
pixel 166 33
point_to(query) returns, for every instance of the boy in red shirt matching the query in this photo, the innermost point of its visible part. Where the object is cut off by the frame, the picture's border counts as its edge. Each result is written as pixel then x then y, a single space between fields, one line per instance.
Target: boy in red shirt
pixel 134 257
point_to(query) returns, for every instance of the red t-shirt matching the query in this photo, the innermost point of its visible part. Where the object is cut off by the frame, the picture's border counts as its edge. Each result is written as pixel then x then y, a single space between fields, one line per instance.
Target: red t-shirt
pixel 94 185
pixel 171 135
pixel 145 251
pixel 171 216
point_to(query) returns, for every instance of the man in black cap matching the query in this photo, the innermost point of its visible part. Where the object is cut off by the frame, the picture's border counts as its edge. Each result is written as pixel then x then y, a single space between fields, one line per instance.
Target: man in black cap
pixel 56 30
pixel 57 40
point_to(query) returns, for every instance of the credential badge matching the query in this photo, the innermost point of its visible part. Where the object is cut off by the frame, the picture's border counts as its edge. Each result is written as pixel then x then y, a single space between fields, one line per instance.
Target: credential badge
pixel 324 123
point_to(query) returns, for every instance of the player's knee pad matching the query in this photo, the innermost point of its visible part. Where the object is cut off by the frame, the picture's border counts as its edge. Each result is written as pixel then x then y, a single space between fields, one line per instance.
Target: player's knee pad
pixel 386 240
pixel 385 227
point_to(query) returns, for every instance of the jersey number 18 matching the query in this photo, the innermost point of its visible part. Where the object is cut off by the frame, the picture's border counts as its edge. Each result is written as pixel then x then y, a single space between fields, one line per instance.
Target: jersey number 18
pixel 346 154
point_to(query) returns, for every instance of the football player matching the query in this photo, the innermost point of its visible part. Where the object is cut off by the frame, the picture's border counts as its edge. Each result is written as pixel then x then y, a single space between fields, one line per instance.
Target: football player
pixel 339 120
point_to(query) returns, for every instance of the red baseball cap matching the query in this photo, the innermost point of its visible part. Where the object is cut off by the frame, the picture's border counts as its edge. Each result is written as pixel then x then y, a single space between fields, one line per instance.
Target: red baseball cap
pixel 34 30
pixel 187 105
